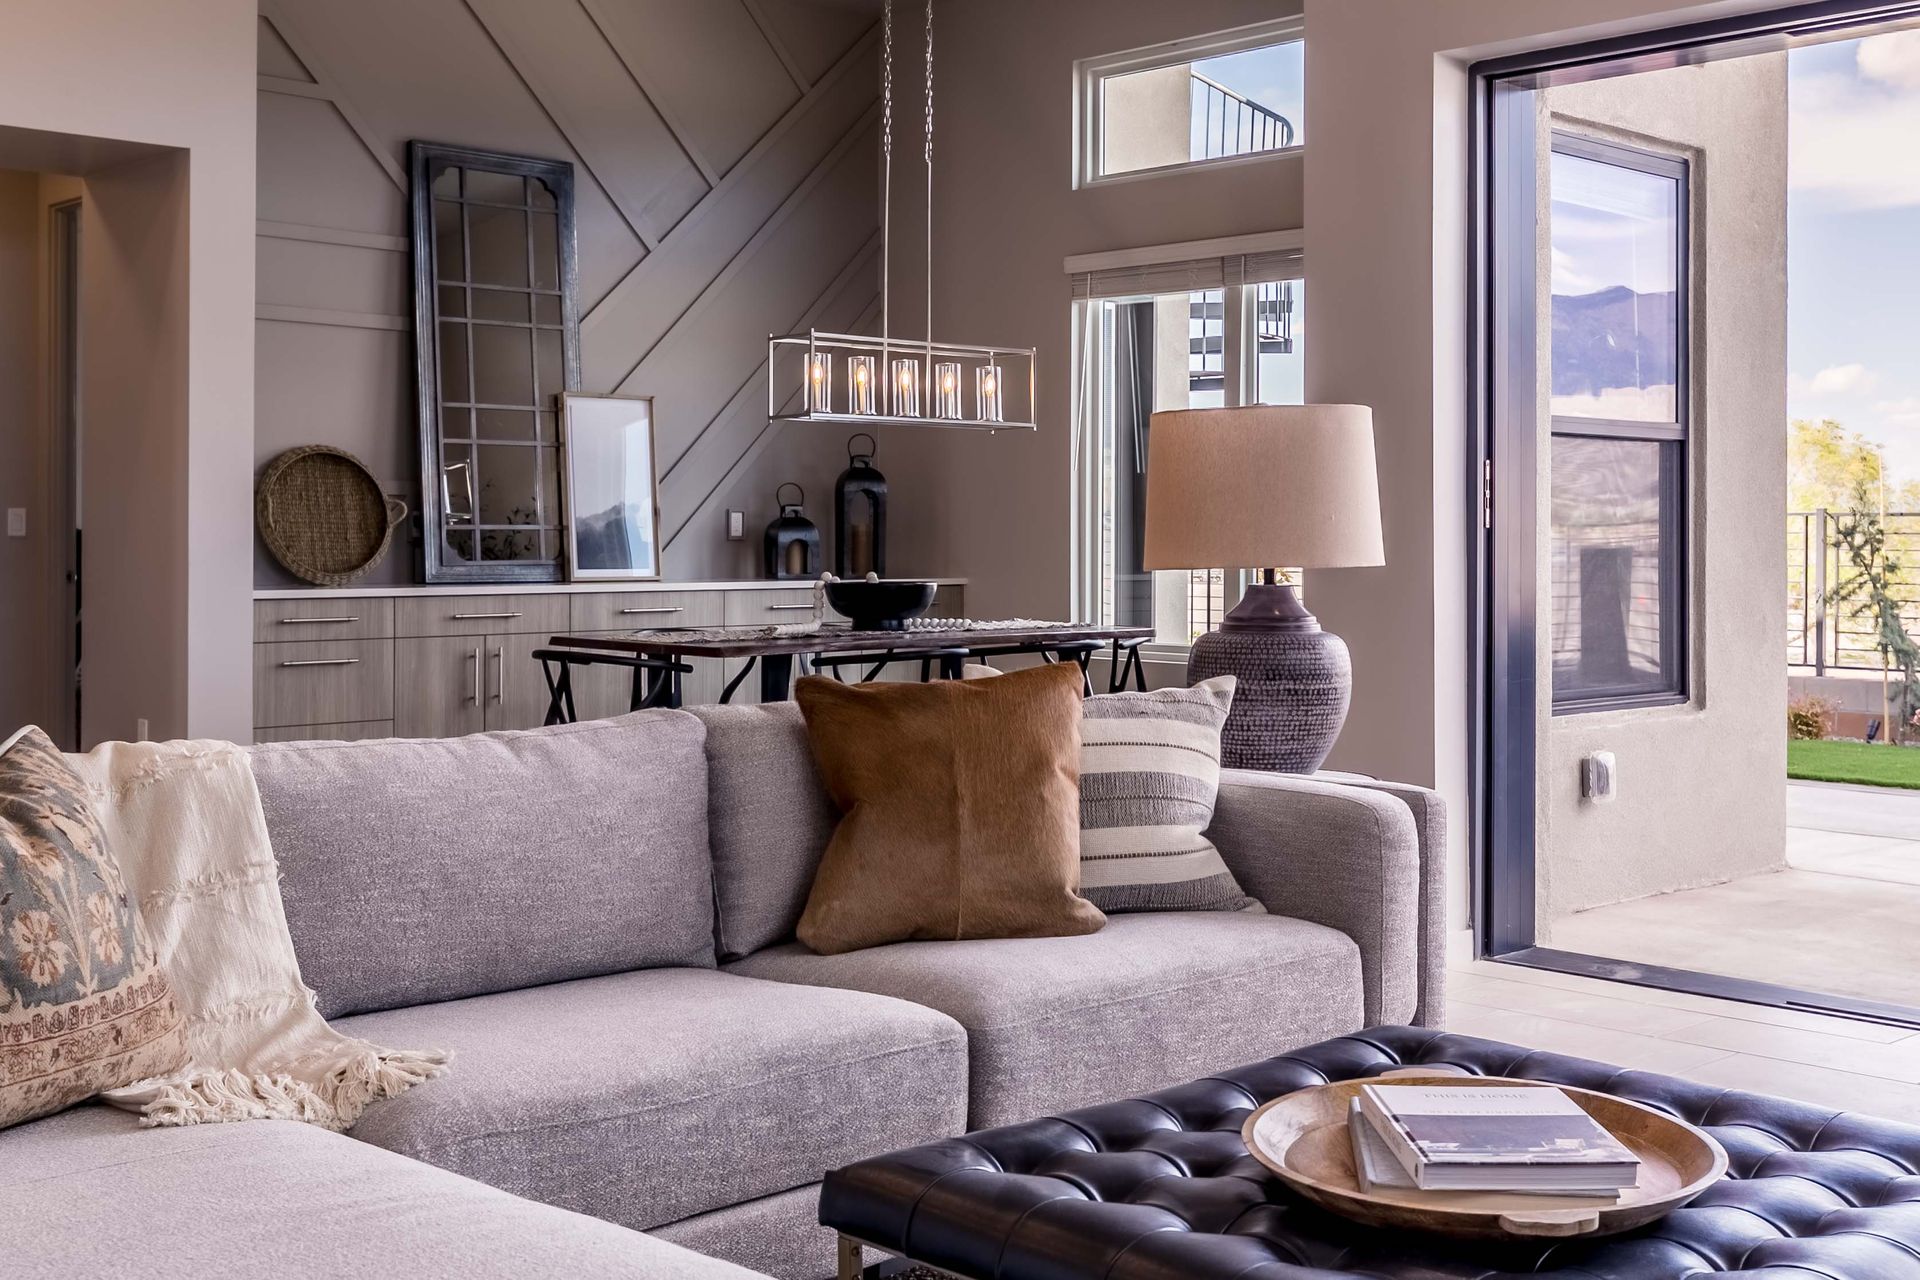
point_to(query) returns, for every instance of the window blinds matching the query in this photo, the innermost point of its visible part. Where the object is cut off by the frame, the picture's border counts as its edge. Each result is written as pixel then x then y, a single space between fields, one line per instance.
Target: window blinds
pixel 1189 276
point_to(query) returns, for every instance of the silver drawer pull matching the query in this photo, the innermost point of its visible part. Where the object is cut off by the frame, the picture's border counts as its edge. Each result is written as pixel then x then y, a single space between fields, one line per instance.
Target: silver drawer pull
pixel 658 608
pixel 476 617
pixel 808 605
pixel 288 622
pixel 319 662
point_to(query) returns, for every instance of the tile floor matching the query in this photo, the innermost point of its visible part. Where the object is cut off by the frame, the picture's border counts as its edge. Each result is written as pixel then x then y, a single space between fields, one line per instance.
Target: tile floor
pixel 1835 1062
pixel 1844 917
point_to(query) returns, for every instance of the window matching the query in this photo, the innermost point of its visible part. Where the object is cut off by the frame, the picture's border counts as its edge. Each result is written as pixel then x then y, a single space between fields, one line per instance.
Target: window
pixel 1205 100
pixel 1618 453
pixel 1158 336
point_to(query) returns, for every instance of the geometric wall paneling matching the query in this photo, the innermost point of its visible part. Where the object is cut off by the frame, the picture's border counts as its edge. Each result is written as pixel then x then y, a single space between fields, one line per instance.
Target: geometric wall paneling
pixel 789 263
pixel 725 442
pixel 313 170
pixel 601 109
pixel 276 59
pixel 332 277
pixel 811 38
pixel 429 69
pixel 620 332
pixel 681 279
pixel 673 47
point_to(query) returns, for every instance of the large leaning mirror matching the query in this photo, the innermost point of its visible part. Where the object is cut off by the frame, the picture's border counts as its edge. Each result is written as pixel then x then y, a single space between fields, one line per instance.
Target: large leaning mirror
pixel 497 339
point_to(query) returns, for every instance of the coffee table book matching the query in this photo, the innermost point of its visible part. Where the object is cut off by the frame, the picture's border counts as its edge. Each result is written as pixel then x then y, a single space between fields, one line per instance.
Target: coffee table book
pixel 1376 1169
pixel 1523 1138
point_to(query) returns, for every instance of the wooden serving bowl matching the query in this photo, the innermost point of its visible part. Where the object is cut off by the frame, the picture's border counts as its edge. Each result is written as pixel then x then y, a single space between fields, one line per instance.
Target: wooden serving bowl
pixel 1303 1138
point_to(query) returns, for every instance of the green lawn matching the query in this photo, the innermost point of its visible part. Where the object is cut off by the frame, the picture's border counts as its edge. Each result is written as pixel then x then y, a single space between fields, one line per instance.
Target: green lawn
pixel 1870 764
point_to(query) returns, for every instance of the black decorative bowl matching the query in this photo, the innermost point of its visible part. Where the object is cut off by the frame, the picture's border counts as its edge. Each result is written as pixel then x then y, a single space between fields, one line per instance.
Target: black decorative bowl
pixel 880 606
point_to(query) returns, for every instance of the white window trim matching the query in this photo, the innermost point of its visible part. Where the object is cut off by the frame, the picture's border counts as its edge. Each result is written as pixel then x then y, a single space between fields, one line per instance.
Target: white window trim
pixel 1088 396
pixel 1088 73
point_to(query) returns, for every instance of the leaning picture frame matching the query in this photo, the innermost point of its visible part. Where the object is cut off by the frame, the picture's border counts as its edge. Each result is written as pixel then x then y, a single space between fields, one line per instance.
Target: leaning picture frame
pixel 611 491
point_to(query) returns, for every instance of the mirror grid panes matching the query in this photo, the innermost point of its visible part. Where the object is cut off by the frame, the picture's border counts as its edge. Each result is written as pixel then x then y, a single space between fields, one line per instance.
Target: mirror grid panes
pixel 498 341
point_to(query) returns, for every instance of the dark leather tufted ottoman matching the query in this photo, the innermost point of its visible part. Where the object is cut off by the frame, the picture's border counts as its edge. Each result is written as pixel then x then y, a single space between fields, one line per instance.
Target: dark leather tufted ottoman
pixel 1161 1187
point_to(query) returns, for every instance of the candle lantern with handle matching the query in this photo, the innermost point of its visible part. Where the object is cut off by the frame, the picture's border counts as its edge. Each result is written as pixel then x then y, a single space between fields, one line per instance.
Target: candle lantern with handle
pixel 860 514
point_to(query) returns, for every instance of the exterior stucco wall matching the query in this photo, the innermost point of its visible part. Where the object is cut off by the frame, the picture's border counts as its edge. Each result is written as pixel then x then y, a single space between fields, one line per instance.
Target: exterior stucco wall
pixel 1702 786
pixel 1148 117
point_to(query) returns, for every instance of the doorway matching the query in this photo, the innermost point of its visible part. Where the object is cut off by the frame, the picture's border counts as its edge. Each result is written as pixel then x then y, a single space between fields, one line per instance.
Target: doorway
pixel 1641 205
pixel 64 514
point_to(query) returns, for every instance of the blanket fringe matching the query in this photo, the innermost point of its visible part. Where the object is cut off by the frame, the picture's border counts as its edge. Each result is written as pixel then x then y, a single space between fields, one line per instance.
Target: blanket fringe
pixel 339 1091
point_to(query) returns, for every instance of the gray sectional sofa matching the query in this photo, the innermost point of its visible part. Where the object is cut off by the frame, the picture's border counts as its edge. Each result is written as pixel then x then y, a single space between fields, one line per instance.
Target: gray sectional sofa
pixel 597 919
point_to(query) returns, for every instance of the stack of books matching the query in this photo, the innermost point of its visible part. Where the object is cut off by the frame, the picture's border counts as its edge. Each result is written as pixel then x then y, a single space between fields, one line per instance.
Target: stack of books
pixel 1532 1140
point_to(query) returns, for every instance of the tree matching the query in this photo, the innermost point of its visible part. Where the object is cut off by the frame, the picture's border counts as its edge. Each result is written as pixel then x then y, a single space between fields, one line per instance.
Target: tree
pixel 1832 467
pixel 1866 587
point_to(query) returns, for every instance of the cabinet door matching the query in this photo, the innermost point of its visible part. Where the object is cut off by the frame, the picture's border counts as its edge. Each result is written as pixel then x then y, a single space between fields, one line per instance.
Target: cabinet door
pixel 439 686
pixel 516 689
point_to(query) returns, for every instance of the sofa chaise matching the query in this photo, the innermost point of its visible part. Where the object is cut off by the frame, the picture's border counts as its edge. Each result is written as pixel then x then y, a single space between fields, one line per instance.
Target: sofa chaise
pixel 597 920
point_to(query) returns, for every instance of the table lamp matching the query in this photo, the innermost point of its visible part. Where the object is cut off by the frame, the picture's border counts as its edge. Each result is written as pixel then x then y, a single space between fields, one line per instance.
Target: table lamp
pixel 1267 485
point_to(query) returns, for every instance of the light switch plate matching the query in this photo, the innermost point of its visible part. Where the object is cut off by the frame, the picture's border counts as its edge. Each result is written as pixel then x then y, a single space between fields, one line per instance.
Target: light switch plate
pixel 736 525
pixel 16 522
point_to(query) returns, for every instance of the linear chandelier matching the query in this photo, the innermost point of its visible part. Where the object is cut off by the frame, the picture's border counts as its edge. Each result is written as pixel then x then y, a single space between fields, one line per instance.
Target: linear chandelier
pixel 818 376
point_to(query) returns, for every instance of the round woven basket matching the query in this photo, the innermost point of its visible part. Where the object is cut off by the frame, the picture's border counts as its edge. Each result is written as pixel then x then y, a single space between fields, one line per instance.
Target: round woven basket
pixel 322 514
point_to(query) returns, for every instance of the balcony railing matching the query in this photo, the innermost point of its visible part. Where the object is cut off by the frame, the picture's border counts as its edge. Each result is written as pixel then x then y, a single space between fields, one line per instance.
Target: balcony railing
pixel 1227 124
pixel 1825 633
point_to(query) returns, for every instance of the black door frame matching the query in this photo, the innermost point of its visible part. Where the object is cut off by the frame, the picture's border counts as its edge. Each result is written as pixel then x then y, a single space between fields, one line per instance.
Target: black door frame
pixel 1504 470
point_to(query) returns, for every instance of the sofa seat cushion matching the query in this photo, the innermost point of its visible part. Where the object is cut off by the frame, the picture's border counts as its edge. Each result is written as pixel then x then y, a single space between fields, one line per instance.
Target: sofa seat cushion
pixel 1149 1001
pixel 646 1097
pixel 90 1193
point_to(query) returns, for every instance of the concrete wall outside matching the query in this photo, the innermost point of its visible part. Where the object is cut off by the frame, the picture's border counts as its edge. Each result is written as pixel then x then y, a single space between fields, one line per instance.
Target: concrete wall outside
pixel 1146 119
pixel 1676 828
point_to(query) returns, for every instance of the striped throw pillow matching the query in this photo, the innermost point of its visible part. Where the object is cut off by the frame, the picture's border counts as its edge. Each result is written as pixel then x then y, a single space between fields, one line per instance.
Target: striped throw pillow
pixel 1149 773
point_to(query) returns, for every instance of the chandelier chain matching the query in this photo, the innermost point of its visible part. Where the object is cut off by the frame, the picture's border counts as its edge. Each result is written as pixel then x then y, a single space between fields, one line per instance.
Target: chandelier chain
pixel 929 148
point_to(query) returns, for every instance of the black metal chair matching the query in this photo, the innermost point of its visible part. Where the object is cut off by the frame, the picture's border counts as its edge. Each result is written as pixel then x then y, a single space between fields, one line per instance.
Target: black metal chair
pixel 1119 669
pixel 656 681
pixel 950 662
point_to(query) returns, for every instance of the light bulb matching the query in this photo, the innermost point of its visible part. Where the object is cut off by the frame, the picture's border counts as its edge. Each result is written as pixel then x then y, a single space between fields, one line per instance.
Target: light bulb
pixel 986 384
pixel 860 375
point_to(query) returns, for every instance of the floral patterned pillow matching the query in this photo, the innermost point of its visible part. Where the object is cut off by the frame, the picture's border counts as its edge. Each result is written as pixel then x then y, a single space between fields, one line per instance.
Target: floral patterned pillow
pixel 83 1004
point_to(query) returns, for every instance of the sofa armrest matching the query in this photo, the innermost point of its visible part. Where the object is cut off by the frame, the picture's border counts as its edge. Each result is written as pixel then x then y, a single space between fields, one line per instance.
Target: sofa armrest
pixel 1350 857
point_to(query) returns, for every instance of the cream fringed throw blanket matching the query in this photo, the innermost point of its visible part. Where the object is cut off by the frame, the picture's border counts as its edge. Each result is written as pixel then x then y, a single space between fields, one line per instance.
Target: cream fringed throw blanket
pixel 184 820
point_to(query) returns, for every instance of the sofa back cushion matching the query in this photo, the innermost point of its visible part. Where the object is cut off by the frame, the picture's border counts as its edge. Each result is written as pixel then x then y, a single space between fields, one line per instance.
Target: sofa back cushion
pixel 770 819
pixel 423 870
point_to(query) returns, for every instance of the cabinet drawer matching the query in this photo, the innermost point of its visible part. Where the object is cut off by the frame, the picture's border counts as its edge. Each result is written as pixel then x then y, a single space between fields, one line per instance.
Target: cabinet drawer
pixel 276 620
pixel 748 608
pixel 634 610
pixel 480 615
pixel 357 731
pixel 322 682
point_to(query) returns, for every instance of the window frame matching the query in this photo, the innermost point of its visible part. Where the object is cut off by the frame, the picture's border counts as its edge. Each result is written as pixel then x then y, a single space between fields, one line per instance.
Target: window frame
pixel 1092 390
pixel 1090 73
pixel 1676 482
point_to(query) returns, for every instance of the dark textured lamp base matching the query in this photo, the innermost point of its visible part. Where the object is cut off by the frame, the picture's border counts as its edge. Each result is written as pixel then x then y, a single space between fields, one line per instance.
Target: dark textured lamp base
pixel 1294 682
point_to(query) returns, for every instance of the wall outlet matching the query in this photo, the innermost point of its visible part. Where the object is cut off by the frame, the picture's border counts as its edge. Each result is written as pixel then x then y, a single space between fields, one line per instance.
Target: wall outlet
pixel 16 522
pixel 736 525
pixel 1597 778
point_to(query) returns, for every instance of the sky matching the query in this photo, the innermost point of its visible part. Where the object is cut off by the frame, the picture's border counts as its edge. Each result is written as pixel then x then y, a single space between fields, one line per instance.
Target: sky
pixel 1853 241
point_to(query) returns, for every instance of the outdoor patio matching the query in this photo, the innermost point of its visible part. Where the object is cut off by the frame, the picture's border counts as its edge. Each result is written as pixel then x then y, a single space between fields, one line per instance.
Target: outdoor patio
pixel 1844 918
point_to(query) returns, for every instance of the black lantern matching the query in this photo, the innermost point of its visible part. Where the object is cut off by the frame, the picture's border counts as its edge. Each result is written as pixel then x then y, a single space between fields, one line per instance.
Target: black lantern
pixel 792 543
pixel 860 514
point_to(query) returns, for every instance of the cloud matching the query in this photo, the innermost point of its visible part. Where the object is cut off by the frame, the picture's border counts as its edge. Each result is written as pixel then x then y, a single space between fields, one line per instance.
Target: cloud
pixel 1893 58
pixel 1904 412
pixel 1836 380
pixel 1843 128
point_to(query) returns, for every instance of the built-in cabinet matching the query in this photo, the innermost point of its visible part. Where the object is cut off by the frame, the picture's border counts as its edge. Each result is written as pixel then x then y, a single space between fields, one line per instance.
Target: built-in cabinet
pixel 438 664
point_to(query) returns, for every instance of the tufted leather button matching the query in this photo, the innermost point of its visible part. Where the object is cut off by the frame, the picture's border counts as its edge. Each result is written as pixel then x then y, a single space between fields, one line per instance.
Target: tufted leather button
pixel 1162 1188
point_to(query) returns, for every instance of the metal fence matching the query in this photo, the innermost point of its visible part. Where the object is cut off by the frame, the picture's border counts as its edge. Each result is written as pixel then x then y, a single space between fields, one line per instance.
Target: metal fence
pixel 1823 632
pixel 1226 123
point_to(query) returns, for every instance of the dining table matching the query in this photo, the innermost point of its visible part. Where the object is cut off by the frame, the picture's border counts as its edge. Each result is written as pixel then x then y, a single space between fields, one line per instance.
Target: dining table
pixel 658 657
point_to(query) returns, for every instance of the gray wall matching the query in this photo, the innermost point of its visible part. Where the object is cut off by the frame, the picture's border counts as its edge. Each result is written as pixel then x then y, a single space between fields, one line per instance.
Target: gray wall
pixel 23 623
pixel 1725 816
pixel 1006 216
pixel 724 155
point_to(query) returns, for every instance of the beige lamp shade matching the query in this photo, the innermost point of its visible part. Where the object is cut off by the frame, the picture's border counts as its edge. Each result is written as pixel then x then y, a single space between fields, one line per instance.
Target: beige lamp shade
pixel 1266 485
